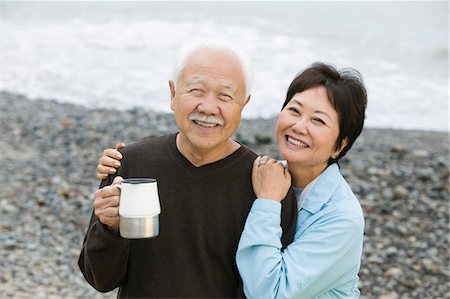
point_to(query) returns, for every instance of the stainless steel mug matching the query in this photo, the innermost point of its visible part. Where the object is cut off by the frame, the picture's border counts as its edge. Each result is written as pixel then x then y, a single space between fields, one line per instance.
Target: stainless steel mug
pixel 139 208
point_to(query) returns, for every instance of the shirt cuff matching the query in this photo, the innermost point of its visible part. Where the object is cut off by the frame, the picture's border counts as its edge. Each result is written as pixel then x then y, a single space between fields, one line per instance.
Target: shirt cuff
pixel 267 205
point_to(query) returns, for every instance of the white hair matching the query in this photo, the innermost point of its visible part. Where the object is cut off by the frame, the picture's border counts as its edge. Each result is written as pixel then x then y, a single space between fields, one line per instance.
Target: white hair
pixel 187 50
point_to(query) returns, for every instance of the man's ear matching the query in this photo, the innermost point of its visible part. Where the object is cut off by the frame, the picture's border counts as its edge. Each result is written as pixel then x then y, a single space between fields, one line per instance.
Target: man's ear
pixel 172 93
pixel 172 89
pixel 247 99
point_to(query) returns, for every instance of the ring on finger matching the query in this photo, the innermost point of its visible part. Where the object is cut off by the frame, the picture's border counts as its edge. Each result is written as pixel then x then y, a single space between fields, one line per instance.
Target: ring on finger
pixel 262 161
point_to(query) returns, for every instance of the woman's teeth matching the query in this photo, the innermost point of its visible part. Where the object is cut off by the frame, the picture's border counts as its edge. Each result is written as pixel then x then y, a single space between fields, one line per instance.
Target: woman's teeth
pixel 296 142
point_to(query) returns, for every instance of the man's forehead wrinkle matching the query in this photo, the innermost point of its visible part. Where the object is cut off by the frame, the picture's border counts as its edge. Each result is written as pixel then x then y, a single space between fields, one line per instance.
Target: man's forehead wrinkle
pixel 195 79
pixel 229 87
pixel 224 83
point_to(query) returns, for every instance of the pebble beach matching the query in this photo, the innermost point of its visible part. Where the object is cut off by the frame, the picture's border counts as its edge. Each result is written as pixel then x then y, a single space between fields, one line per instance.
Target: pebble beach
pixel 49 151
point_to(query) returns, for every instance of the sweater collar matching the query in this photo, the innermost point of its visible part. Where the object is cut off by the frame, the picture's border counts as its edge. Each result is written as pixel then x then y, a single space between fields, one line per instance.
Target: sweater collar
pixel 206 169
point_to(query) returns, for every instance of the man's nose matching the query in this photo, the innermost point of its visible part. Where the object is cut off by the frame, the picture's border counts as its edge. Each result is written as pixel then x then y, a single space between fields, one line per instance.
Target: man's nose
pixel 208 104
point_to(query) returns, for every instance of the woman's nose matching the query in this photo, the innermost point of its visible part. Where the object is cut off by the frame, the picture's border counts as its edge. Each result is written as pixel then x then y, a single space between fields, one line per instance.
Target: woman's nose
pixel 300 126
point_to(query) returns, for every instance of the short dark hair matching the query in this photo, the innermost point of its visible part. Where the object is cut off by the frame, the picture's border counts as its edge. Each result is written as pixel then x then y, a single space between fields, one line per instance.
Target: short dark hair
pixel 346 93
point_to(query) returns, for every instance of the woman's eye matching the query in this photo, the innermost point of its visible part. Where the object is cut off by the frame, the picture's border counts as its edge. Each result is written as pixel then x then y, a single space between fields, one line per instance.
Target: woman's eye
pixel 293 109
pixel 319 121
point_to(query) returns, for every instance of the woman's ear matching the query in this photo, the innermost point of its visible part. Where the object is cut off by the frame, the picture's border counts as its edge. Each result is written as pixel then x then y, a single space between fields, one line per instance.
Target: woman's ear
pixel 344 143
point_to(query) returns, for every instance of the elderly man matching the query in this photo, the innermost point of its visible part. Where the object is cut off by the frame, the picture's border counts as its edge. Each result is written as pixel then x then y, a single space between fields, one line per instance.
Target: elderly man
pixel 204 182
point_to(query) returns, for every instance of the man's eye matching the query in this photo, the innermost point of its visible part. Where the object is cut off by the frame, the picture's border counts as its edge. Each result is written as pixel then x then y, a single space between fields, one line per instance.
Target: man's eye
pixel 195 91
pixel 225 97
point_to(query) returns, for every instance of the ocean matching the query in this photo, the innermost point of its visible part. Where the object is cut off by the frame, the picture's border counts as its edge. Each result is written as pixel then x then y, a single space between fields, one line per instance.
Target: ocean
pixel 119 54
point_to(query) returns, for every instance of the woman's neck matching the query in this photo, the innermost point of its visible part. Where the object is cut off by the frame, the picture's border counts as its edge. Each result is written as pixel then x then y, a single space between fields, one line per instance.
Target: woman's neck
pixel 302 176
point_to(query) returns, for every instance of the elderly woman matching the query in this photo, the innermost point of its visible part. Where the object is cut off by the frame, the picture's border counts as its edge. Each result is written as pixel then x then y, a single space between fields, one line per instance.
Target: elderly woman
pixel 320 120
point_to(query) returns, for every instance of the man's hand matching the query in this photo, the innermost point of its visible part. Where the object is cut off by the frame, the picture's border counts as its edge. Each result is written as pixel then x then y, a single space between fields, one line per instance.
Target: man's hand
pixel 269 178
pixel 109 161
pixel 106 204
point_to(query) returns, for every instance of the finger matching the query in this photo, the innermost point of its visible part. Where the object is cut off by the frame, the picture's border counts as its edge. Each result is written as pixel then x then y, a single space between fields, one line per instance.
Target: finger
pixel 120 145
pixel 279 163
pixel 105 170
pixel 111 212
pixel 102 202
pixel 106 192
pixel 284 162
pixel 256 161
pixel 271 161
pixel 262 160
pixel 112 153
pixel 102 176
pixel 105 220
pixel 117 180
pixel 107 152
pixel 278 167
pixel 108 161
pixel 106 207
pixel 108 220
pixel 265 158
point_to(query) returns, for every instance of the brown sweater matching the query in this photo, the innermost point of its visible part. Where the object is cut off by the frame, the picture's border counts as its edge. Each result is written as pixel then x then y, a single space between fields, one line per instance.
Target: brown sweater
pixel 203 211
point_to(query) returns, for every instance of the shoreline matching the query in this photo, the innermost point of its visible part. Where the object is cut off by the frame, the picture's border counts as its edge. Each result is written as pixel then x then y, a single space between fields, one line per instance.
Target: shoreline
pixel 49 152
pixel 7 93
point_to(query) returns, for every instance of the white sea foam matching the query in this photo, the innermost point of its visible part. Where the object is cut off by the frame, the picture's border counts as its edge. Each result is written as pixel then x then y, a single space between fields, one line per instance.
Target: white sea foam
pixel 119 54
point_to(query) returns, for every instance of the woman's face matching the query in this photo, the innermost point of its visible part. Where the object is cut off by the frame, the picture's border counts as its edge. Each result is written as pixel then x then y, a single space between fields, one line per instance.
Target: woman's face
pixel 307 130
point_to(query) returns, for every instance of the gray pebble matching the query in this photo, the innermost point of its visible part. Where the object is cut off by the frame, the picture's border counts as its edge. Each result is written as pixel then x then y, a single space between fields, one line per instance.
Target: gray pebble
pixel 48 155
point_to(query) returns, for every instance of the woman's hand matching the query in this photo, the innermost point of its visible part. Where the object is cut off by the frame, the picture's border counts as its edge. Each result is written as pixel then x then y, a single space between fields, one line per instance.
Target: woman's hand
pixel 270 179
pixel 109 161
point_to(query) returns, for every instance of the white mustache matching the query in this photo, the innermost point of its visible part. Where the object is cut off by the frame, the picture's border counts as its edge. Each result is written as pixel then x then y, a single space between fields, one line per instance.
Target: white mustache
pixel 210 119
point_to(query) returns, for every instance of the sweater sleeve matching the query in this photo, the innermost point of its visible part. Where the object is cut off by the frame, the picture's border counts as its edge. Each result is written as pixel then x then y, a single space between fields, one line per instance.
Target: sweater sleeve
pixel 104 255
pixel 288 218
pixel 307 267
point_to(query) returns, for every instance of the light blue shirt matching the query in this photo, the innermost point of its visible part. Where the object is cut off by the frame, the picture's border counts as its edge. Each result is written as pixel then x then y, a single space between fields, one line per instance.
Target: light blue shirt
pixel 324 259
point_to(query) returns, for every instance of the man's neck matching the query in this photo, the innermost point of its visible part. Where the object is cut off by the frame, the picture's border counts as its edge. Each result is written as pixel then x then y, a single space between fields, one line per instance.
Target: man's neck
pixel 200 157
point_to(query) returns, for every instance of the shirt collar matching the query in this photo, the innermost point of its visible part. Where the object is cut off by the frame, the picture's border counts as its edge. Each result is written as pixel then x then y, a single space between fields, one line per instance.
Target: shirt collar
pixel 299 197
pixel 318 192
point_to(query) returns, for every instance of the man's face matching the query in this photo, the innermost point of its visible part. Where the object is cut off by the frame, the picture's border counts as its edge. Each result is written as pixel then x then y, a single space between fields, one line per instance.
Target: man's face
pixel 208 100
